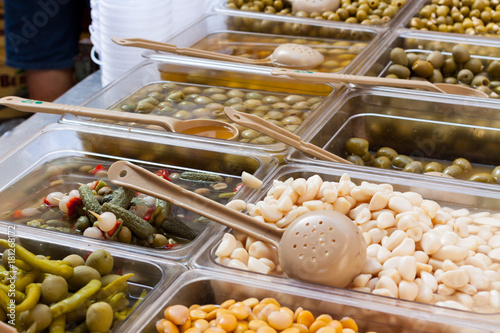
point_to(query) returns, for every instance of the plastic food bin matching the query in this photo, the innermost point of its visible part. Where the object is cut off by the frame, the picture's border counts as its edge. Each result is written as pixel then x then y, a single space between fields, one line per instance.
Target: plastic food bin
pixel 59 159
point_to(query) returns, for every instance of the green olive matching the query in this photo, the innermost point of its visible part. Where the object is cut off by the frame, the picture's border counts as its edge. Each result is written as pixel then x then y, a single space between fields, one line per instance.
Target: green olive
pixel 83 275
pixel 412 57
pixel 451 80
pixel 128 107
pixel 449 67
pixel 156 95
pixel 54 289
pixel 494 69
pixel 496 173
pixel 101 260
pixel 483 178
pixel 460 54
pixel 383 162
pixel 357 146
pixel 436 58
pixel 144 107
pixel 357 160
pixel 400 161
pixel 367 158
pixel 480 80
pixel 474 65
pixel 463 164
pixel 175 96
pixel 82 223
pixel 453 170
pixel 436 76
pixel 422 68
pixel 107 279
pixel 160 241
pixel 386 151
pixel 465 76
pixel 99 317
pixel 75 260
pixel 40 314
pixel 414 167
pixel 433 167
pixel 400 71
pixel 398 56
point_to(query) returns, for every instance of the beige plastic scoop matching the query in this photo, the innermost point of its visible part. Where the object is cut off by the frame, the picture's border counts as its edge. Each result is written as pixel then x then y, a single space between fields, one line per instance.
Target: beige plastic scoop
pixel 324 247
pixel 202 127
pixel 311 6
pixel 265 127
pixel 285 55
pixel 381 81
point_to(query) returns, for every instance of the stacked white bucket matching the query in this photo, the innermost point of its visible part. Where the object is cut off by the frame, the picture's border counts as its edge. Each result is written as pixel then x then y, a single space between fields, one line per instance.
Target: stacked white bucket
pixel 150 19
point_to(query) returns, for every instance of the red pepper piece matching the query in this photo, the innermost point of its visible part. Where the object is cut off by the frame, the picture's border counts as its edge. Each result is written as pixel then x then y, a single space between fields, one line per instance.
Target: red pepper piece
pixel 237 188
pixel 46 202
pixel 72 204
pixel 112 231
pixel 94 184
pixel 162 173
pixel 98 168
pixel 169 246
pixel 148 214
pixel 17 214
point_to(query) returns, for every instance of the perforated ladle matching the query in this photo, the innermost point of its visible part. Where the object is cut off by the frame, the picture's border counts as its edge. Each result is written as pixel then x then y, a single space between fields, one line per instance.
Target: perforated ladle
pixel 323 246
pixel 286 55
pixel 382 81
pixel 201 127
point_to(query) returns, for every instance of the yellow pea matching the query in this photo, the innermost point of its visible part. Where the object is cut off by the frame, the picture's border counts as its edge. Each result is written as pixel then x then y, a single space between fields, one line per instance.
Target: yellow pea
pixel 251 302
pixel 266 329
pixel 202 324
pixel 305 318
pixel 280 320
pixel 266 310
pixel 316 325
pixel 166 326
pixel 336 325
pixel 348 322
pixel 227 304
pixel 197 314
pixel 270 300
pixel 193 330
pixel 194 307
pixel 214 330
pixel 241 327
pixel 302 328
pixel 208 308
pixel 291 330
pixel 327 329
pixel 240 310
pixel 177 314
pixel 324 317
pixel 256 324
pixel 226 321
pixel 185 326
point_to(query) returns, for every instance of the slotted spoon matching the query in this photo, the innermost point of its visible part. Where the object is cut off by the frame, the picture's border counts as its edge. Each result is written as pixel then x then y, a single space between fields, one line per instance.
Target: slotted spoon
pixel 323 246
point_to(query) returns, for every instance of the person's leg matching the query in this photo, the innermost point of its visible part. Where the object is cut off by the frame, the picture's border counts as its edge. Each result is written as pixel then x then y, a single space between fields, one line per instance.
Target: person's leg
pixel 48 84
pixel 42 38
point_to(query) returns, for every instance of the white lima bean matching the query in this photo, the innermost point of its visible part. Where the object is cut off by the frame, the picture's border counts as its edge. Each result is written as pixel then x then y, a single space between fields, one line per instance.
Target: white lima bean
pixel 416 249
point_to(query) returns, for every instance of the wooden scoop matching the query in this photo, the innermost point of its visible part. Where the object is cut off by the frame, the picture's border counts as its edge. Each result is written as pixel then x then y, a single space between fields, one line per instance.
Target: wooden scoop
pixel 381 81
pixel 323 246
pixel 261 125
pixel 201 127
pixel 285 55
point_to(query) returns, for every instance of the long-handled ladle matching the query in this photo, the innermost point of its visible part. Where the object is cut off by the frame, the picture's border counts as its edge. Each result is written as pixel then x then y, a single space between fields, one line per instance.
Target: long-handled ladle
pixel 381 81
pixel 286 55
pixel 322 246
pixel 201 127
